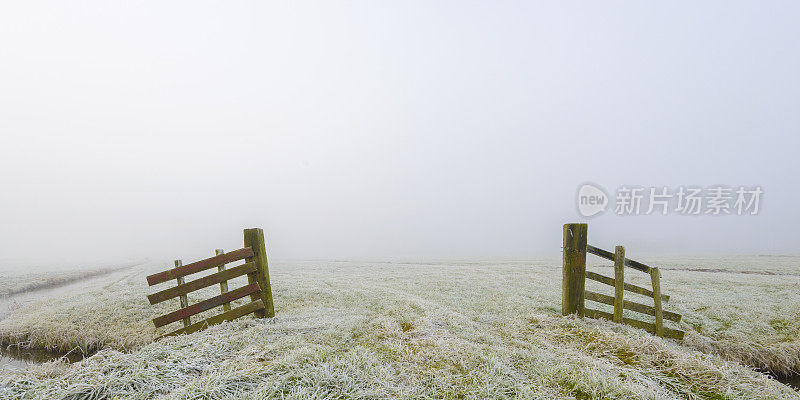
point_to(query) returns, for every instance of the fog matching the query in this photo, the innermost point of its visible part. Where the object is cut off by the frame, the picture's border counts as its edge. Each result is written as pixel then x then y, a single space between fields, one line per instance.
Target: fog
pixel 389 129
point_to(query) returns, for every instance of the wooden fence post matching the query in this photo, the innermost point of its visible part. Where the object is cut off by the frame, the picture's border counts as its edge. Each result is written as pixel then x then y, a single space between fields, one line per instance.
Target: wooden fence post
pixel 223 286
pixel 655 277
pixel 184 299
pixel 619 282
pixel 574 269
pixel 254 238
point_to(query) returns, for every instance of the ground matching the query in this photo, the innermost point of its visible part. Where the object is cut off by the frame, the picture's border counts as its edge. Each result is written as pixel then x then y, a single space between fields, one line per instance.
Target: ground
pixel 448 329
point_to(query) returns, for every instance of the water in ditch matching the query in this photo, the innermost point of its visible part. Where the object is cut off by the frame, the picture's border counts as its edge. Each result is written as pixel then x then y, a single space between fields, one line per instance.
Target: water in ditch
pixel 13 358
pixel 792 381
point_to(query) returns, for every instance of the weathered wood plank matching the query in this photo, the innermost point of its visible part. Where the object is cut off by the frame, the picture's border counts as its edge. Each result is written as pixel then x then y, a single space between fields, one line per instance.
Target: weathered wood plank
pixel 223 286
pixel 254 239
pixel 670 333
pixel 574 269
pixel 655 277
pixel 619 282
pixel 610 256
pixel 199 266
pixel 627 286
pixel 205 281
pixel 204 305
pixel 629 305
pixel 217 319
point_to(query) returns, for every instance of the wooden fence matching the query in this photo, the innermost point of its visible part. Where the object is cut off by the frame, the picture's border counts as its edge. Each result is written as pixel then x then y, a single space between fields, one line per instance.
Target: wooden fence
pixel 258 288
pixel 574 293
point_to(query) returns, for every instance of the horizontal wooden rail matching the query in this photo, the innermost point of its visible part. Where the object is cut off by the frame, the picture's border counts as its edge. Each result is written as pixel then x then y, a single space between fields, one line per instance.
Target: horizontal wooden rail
pixel 629 305
pixel 204 305
pixel 610 256
pixel 199 266
pixel 629 287
pixel 670 333
pixel 226 316
pixel 205 281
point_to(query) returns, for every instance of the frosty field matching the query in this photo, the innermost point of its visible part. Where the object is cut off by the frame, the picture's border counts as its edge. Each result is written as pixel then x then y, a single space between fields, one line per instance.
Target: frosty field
pixel 27 279
pixel 434 329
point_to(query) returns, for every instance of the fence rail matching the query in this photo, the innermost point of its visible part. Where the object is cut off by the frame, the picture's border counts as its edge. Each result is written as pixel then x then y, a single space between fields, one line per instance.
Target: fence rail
pixel 626 286
pixel 223 299
pixel 258 288
pixel 610 256
pixel 203 282
pixel 630 305
pixel 670 333
pixel 199 266
pixel 574 293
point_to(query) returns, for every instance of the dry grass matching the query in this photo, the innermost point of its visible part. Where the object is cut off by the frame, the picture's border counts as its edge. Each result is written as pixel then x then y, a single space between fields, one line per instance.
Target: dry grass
pixel 398 330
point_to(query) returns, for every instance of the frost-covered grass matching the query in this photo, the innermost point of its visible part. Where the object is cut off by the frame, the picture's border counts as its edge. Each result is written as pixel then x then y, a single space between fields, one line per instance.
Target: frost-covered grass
pixel 41 278
pixel 418 330
pixel 117 315
pixel 746 309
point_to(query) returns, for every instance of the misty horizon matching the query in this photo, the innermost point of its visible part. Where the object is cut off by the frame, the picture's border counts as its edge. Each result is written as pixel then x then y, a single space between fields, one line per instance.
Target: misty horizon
pixel 358 131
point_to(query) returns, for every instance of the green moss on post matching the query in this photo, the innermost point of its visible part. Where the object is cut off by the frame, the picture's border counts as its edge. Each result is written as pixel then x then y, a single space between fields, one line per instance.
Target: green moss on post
pixel 184 299
pixel 223 286
pixel 574 269
pixel 254 238
pixel 655 277
pixel 619 282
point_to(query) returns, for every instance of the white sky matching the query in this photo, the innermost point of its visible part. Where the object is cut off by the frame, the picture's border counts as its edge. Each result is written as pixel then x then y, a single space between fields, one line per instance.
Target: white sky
pixel 389 129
